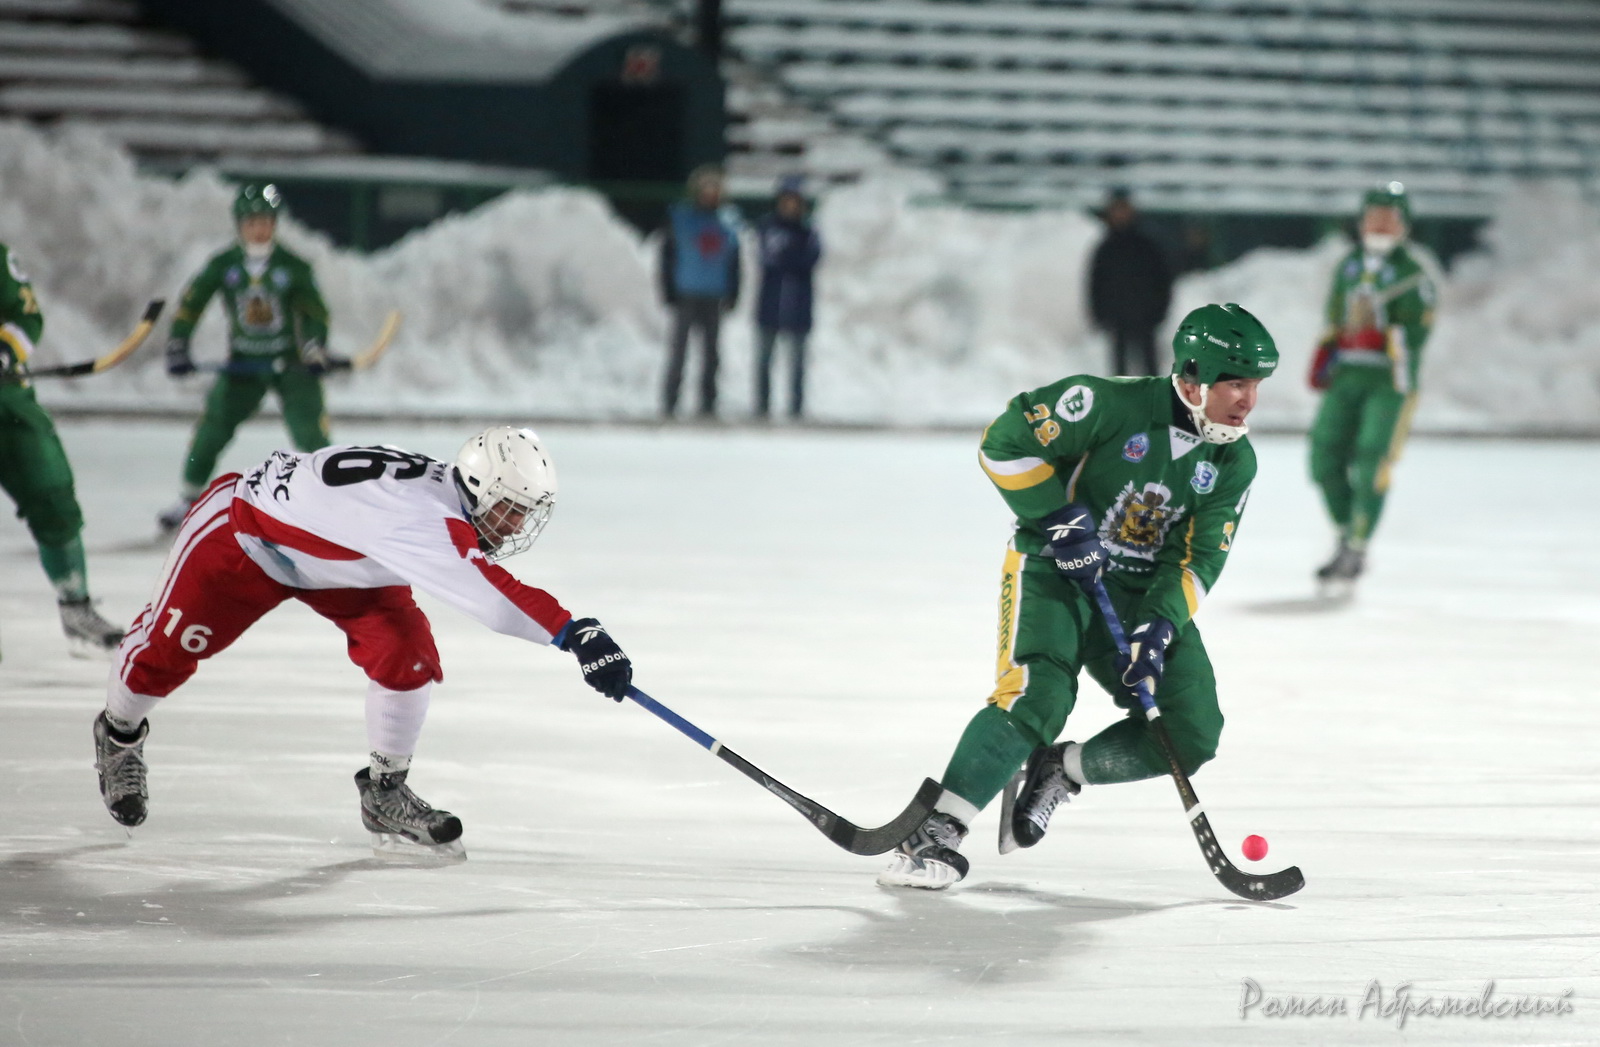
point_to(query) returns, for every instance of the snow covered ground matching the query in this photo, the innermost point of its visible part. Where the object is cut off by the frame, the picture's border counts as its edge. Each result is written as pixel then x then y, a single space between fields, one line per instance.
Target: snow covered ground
pixel 544 303
pixel 824 602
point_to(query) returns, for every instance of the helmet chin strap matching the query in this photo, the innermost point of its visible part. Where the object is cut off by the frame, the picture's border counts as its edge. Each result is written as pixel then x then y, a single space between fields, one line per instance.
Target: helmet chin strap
pixel 1211 432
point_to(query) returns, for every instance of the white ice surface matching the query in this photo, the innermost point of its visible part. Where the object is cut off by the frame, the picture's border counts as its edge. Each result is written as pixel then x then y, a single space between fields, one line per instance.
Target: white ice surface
pixel 824 603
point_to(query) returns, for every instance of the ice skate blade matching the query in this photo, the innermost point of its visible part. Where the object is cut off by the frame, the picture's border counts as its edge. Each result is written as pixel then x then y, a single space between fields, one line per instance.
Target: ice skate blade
pixel 392 847
pixel 1008 807
pixel 926 874
pixel 88 650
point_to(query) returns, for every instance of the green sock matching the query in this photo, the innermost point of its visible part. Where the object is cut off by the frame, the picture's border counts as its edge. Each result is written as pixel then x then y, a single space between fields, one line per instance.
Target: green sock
pixel 1122 752
pixel 65 567
pixel 990 750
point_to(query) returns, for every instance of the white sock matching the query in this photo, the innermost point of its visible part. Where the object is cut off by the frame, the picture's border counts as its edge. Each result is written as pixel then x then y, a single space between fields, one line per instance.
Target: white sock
pixel 962 810
pixel 1072 762
pixel 389 763
pixel 394 718
pixel 123 706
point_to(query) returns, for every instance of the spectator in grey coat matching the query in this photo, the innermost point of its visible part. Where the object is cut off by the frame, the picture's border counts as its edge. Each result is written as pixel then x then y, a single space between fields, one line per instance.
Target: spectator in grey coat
pixel 790 250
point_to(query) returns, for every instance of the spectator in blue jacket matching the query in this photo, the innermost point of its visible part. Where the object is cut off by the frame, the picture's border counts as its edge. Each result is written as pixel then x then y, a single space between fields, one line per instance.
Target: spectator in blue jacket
pixel 790 250
pixel 699 281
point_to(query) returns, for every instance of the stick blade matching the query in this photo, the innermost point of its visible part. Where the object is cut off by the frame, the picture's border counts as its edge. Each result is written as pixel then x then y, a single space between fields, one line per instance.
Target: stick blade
pixel 886 837
pixel 1261 888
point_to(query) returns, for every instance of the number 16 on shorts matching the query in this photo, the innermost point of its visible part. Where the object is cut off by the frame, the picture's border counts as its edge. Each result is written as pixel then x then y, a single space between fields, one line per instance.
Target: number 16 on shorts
pixel 193 639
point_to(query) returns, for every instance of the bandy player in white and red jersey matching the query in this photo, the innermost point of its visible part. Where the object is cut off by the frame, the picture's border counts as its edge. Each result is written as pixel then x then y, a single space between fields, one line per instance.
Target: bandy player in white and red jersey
pixel 348 531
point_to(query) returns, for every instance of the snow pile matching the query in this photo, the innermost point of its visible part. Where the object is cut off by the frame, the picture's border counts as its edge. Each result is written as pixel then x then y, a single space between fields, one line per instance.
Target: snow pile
pixel 543 305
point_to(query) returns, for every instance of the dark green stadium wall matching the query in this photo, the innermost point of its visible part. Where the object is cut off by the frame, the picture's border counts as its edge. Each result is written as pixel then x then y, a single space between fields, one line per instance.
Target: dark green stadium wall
pixel 595 119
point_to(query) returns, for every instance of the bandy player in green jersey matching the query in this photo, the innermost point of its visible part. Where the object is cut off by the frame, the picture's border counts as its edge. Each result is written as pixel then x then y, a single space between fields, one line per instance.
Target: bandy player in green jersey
pixel 277 341
pixel 1379 313
pixel 1144 479
pixel 34 470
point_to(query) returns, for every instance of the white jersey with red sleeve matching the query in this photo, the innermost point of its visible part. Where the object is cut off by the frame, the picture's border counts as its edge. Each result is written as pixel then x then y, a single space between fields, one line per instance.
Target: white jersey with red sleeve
pixel 366 517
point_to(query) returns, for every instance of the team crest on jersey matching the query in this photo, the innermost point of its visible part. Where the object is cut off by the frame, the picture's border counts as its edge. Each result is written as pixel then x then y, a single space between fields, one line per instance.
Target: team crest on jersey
pixel 1076 403
pixel 1204 480
pixel 1138 521
pixel 259 313
pixel 1136 448
pixel 233 277
pixel 279 277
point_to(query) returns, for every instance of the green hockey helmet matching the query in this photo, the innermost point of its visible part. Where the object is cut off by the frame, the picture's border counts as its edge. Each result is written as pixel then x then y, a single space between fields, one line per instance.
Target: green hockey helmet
pixel 1222 341
pixel 254 199
pixel 1389 194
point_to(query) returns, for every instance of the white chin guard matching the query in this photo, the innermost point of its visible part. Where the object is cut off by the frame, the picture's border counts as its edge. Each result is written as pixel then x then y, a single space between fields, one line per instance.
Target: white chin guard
pixel 1211 432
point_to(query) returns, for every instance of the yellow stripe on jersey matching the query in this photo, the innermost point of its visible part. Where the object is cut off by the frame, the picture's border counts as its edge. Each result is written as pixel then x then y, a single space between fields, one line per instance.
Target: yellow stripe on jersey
pixel 1193 590
pixel 1011 679
pixel 1018 474
pixel 19 342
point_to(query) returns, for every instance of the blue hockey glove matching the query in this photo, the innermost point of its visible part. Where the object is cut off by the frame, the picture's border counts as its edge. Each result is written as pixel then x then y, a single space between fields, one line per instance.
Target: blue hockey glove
pixel 1147 650
pixel 179 362
pixel 1073 543
pixel 604 666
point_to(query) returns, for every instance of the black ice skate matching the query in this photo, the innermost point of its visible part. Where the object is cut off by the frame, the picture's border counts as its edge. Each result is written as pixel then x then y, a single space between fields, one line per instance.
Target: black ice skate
pixel 1045 786
pixel 402 824
pixel 1336 579
pixel 171 518
pixel 928 858
pixel 119 760
pixel 88 634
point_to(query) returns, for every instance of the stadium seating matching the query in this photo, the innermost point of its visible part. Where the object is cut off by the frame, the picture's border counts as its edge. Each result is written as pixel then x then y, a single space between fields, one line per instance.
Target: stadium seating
pixel 1250 105
pixel 92 63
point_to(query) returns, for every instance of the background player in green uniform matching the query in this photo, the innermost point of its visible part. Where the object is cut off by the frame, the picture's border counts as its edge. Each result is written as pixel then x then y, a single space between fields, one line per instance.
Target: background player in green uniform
pixel 277 340
pixel 34 469
pixel 1145 478
pixel 1379 313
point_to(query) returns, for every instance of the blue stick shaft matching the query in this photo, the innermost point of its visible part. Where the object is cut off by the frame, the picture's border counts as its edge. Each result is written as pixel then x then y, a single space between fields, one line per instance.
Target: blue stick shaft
pixel 1097 589
pixel 700 737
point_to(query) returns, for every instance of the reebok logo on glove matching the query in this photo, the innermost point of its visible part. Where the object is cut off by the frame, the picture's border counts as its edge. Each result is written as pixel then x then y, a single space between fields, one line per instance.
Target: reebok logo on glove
pixel 1070 528
pixel 604 666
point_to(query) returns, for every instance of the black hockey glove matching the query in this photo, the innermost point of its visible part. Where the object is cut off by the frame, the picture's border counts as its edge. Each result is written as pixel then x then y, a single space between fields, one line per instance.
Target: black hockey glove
pixel 179 362
pixel 604 666
pixel 1073 544
pixel 314 356
pixel 1147 649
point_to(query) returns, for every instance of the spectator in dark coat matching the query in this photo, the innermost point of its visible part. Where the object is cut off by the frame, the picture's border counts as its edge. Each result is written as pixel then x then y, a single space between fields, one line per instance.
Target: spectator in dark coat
pixel 699 281
pixel 1130 288
pixel 790 250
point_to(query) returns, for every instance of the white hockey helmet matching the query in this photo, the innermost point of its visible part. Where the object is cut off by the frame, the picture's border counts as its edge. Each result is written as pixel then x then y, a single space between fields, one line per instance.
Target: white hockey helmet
pixel 508 487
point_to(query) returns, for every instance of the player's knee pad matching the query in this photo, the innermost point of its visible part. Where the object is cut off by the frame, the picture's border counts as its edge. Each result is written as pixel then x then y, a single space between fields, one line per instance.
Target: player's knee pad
pixel 52 515
pixel 402 655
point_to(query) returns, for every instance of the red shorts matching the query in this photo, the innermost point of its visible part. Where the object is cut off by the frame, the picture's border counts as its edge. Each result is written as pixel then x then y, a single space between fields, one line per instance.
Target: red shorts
pixel 210 592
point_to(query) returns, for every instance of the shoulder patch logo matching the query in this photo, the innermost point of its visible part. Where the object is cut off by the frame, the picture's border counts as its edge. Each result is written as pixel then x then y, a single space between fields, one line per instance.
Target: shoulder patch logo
pixel 1205 477
pixel 1136 448
pixel 233 277
pixel 1076 403
pixel 14 265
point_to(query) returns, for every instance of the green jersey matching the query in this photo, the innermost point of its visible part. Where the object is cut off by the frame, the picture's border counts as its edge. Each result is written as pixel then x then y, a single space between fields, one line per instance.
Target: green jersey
pixel 21 323
pixel 1168 504
pixel 273 305
pixel 1379 313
